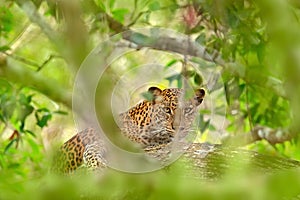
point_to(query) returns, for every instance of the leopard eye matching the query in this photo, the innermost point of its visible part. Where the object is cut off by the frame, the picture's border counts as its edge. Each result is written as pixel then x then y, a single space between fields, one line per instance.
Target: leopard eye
pixel 167 110
pixel 188 110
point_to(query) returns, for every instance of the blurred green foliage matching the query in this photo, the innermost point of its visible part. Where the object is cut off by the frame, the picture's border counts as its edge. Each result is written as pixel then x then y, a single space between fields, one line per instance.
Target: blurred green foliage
pixel 37 72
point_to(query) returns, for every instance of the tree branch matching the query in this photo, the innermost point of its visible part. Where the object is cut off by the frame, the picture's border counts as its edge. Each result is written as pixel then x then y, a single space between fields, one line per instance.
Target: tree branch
pixel 73 44
pixel 273 136
pixel 29 8
pixel 182 46
pixel 212 162
pixel 14 72
pixel 185 46
pixel 32 63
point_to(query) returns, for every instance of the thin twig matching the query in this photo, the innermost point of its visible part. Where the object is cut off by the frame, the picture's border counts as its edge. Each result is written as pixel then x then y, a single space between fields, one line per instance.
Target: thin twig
pixel 32 63
pixel 47 61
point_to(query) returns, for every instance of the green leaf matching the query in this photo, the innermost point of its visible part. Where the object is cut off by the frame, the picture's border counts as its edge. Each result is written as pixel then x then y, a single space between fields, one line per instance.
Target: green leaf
pixel 101 5
pixel 241 89
pixel 4 48
pixel 190 73
pixel 233 20
pixel 119 14
pixel 61 112
pixel 197 29
pixel 175 77
pixel 5 87
pixel 154 6
pixel 198 79
pixel 3 163
pixel 24 100
pixel 44 120
pixel 201 39
pixel 43 110
pixel 148 96
pixel 171 63
pixel 34 146
pixel 6 21
pixel 29 98
pixel 30 132
pixel 8 146
pixel 23 112
pixel 260 53
pixel 179 82
pixel 212 127
pixel 203 125
pixel 111 4
pixel 227 93
pixel 8 109
pixel 2 118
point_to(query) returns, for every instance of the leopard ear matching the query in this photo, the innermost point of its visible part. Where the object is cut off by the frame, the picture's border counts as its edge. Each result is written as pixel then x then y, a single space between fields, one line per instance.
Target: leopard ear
pixel 200 93
pixel 156 92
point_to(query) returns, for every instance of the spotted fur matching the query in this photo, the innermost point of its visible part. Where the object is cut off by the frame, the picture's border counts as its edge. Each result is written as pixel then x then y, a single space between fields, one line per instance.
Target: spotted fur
pixel 151 123
pixel 155 122
pixel 85 147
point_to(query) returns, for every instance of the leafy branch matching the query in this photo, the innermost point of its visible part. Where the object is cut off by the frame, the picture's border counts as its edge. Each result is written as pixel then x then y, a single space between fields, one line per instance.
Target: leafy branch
pixel 32 63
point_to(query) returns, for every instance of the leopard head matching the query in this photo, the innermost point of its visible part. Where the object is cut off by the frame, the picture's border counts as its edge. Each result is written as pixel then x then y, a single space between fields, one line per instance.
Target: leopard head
pixel 155 121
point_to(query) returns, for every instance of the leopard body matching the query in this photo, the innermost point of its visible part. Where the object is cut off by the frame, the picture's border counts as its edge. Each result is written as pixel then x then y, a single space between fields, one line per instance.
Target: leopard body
pixel 151 123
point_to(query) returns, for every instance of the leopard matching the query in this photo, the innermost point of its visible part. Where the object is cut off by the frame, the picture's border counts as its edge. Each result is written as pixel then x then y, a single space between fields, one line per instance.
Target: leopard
pixel 86 148
pixel 155 122
pixel 152 123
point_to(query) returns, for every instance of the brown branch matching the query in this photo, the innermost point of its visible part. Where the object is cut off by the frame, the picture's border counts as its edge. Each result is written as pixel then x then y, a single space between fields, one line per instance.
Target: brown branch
pixel 31 11
pixel 273 136
pixel 184 46
pixel 178 45
pixel 211 162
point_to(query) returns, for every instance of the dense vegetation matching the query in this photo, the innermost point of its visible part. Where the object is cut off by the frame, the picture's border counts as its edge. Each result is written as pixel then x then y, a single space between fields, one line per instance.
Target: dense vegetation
pixel 250 69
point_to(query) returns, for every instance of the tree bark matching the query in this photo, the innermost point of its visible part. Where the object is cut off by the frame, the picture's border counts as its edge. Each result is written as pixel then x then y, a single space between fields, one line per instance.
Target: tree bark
pixel 211 162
